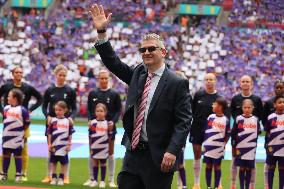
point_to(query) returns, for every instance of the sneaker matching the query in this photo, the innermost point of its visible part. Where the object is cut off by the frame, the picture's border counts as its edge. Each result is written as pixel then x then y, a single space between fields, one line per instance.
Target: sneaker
pixel 233 187
pixel 66 180
pixel 220 187
pixel 196 186
pixel 3 177
pixel 102 184
pixel 88 182
pixel 24 178
pixel 18 178
pixel 94 183
pixel 53 181
pixel 112 184
pixel 46 179
pixel 60 182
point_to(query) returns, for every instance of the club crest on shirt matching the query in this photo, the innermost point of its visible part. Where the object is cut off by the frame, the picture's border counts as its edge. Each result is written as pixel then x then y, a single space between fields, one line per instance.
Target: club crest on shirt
pixel 52 149
pixel 238 152
pixel 65 95
pixel 270 149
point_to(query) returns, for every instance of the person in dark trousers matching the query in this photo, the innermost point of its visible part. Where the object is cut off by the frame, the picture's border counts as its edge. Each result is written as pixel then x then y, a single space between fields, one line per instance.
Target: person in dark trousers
pixel 201 108
pixel 268 109
pixel 28 92
pixel 157 114
pixel 59 91
pixel 108 96
pixel 246 84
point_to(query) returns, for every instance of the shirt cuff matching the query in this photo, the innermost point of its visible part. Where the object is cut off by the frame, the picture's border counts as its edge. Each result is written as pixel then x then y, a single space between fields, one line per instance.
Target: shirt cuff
pixel 101 41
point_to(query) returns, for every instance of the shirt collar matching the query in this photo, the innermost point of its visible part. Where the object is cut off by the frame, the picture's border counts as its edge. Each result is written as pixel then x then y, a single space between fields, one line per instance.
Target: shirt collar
pixel 159 72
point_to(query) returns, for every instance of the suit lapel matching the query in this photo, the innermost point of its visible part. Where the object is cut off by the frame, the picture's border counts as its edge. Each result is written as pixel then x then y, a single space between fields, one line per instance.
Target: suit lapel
pixel 141 83
pixel 161 85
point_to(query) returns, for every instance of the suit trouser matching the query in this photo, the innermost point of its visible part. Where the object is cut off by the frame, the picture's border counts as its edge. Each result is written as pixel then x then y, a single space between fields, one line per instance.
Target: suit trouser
pixel 140 172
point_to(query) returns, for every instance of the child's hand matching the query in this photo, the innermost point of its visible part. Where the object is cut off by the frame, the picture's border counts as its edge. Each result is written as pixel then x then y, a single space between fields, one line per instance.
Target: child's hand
pixel 68 148
pixel 48 120
pixel 49 147
pixel 110 125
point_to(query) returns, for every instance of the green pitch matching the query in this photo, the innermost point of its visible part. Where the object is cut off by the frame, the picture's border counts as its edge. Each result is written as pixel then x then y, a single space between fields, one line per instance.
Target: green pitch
pixel 79 174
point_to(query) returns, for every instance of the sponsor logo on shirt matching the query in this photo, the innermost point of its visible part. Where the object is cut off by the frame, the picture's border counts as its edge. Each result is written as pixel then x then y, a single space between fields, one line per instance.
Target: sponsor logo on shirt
pixel 199 101
pixel 216 124
pixel 94 99
pixel 12 114
pixel 61 126
pixel 248 126
pixel 276 123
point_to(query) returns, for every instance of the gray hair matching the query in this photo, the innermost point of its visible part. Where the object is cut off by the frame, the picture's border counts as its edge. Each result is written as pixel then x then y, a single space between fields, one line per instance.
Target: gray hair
pixel 156 37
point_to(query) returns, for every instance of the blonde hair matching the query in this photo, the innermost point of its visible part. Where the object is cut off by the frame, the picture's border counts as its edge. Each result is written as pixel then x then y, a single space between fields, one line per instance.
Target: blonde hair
pixel 103 71
pixel 156 37
pixel 248 101
pixel 17 67
pixel 59 68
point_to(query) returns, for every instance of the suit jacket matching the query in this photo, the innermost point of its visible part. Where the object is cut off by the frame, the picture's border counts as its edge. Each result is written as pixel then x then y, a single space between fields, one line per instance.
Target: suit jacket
pixel 169 115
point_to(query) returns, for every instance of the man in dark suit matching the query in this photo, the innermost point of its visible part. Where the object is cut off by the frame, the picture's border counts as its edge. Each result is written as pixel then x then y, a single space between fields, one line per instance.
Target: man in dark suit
pixel 157 114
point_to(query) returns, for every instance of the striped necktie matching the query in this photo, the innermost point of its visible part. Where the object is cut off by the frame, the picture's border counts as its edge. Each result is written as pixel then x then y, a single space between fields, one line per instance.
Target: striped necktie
pixel 141 112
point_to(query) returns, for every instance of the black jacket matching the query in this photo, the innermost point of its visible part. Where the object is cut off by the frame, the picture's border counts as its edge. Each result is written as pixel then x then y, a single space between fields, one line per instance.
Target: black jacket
pixel 169 115
pixel 110 98
pixel 54 94
pixel 28 91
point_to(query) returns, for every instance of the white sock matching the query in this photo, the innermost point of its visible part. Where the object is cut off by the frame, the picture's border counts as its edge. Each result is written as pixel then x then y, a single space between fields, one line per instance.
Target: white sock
pixel 91 165
pixel 197 168
pixel 49 167
pixel 179 183
pixel 234 172
pixel 111 168
pixel 68 168
pixel 265 170
pixel 253 175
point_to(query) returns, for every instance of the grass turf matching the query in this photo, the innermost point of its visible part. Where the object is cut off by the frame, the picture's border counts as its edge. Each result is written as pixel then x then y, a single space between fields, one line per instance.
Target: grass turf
pixel 79 174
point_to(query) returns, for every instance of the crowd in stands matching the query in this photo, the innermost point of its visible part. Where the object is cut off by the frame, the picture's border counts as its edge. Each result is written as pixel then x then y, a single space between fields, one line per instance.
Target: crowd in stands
pixel 257 10
pixel 66 36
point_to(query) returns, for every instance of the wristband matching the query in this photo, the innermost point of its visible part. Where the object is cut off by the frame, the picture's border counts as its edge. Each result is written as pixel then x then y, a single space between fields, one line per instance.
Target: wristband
pixel 101 31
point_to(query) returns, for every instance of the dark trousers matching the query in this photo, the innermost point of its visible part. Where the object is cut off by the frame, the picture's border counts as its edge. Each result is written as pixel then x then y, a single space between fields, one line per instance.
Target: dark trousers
pixel 140 172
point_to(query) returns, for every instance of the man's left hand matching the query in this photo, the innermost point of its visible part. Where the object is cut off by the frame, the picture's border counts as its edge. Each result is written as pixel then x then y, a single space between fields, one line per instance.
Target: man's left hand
pixel 168 162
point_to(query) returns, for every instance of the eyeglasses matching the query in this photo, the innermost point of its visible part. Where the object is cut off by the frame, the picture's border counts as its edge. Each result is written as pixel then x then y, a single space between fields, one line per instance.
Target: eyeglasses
pixel 150 49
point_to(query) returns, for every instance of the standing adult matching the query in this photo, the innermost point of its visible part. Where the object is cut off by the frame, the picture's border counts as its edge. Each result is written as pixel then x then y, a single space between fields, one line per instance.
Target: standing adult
pixel 246 85
pixel 29 92
pixel 157 113
pixel 201 108
pixel 108 96
pixel 59 91
pixel 267 110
